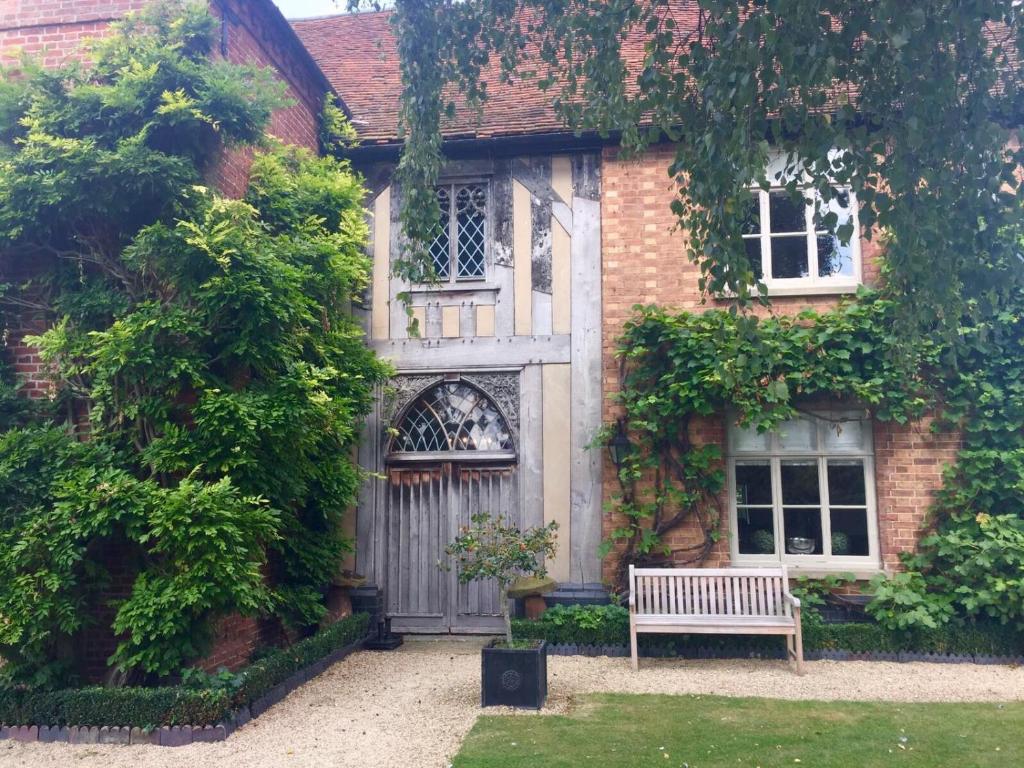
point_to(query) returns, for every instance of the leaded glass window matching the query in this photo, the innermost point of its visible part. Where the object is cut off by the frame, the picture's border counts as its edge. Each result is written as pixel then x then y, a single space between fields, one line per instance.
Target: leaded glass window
pixel 452 416
pixel 459 247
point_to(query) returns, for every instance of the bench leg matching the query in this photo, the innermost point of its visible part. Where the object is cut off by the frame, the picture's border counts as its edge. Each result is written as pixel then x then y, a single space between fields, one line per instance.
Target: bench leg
pixel 798 641
pixel 632 646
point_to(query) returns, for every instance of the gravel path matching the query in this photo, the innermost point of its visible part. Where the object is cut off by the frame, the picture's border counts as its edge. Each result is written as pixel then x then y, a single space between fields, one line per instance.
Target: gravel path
pixel 412 708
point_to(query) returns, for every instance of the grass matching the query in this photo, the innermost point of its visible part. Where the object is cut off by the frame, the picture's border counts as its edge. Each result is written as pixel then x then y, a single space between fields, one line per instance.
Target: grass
pixel 623 731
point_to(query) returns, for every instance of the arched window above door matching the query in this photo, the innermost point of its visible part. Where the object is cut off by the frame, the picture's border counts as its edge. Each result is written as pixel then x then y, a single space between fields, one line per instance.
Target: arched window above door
pixel 452 418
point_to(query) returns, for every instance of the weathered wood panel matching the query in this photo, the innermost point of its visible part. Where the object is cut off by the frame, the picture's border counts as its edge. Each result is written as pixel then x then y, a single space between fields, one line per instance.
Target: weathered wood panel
pixel 557 455
pixel 456 354
pixel 531 446
pixel 586 388
pixel 522 244
pixel 561 251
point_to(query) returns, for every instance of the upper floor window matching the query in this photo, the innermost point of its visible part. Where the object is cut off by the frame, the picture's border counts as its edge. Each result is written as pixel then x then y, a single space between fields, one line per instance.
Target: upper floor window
pixel 792 243
pixel 459 249
pixel 804 494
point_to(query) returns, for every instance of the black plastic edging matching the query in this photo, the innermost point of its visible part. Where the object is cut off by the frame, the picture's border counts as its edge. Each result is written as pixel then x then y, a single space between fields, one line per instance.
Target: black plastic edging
pixel 177 735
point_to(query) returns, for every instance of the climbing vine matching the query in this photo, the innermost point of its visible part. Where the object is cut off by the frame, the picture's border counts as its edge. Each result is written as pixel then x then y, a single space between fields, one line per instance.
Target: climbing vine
pixel 848 91
pixel 679 368
pixel 206 343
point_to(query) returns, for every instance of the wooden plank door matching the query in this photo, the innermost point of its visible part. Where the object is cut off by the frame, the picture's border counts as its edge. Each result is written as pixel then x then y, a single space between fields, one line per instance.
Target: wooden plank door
pixel 494 490
pixel 426 506
pixel 418 530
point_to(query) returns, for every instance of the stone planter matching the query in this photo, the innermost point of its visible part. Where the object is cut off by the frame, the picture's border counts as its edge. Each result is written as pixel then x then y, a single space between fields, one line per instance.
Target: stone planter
pixel 514 677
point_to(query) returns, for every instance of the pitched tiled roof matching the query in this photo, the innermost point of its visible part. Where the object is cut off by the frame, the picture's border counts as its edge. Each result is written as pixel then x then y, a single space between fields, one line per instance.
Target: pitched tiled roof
pixel 357 52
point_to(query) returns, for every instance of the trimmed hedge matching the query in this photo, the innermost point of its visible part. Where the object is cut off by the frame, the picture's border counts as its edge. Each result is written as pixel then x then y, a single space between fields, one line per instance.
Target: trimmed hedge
pixel 604 625
pixel 272 670
pixel 135 707
pixel 175 705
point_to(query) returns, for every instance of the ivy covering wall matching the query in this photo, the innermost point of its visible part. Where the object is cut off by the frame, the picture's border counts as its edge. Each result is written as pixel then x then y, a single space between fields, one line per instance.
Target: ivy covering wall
pixel 209 340
pixel 679 367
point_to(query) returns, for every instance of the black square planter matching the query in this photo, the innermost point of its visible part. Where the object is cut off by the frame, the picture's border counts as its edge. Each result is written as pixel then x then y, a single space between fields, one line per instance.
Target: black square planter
pixel 514 677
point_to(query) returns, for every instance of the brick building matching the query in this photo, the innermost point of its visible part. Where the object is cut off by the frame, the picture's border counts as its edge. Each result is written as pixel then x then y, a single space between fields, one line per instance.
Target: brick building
pixel 252 32
pixel 548 241
pixel 882 475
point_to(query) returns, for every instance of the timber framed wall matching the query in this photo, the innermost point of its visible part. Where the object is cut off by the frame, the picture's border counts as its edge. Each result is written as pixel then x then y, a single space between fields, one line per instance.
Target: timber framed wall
pixel 528 333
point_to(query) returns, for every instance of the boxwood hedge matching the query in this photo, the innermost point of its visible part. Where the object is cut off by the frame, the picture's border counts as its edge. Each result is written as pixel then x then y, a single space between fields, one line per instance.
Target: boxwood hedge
pixel 609 625
pixel 178 704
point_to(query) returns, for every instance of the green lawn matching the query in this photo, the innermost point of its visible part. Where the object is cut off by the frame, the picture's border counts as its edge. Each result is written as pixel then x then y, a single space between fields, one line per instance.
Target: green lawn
pixel 619 731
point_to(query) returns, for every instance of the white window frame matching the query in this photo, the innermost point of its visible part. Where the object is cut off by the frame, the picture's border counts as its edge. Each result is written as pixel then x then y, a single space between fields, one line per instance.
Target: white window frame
pixel 775 454
pixel 813 283
pixel 453 280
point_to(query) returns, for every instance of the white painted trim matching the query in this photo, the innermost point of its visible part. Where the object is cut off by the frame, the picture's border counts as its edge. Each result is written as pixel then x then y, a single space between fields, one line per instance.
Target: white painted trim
pixel 871 563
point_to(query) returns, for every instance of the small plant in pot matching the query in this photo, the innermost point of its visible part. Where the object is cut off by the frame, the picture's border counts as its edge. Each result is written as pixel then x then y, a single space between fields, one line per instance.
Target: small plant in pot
pixel 514 674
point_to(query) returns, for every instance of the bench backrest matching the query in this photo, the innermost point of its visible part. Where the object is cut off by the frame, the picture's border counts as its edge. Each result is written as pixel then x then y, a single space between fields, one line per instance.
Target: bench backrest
pixel 709 591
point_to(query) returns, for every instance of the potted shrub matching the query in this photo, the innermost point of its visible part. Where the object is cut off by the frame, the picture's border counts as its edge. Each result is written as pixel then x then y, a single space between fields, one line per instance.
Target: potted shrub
pixel 513 673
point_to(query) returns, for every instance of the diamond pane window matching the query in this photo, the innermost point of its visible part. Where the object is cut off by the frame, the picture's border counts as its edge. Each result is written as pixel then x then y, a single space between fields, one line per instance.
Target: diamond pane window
pixel 471 218
pixel 452 417
pixel 440 249
pixel 459 248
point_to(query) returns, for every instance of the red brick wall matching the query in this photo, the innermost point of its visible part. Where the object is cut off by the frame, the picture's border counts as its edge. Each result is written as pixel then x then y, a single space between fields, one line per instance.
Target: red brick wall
pixel 52 31
pixel 644 262
pixel 252 39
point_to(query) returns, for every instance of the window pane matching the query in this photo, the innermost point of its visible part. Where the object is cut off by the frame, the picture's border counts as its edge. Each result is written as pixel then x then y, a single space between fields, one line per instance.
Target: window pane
pixel 752 215
pixel 753 246
pixel 440 248
pixel 753 483
pixel 748 439
pixel 786 214
pixel 846 483
pixel 834 259
pixel 800 482
pixel 803 531
pixel 836 214
pixel 845 436
pixel 755 531
pixel 798 435
pixel 849 532
pixel 789 257
pixel 471 215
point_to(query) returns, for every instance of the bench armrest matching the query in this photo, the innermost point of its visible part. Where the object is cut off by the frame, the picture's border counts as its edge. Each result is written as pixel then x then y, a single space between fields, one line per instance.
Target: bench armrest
pixel 632 602
pixel 794 601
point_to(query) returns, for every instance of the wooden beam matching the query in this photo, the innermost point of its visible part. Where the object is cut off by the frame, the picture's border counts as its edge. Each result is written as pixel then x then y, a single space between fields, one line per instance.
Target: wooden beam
pixel 458 353
pixel 557 454
pixel 585 467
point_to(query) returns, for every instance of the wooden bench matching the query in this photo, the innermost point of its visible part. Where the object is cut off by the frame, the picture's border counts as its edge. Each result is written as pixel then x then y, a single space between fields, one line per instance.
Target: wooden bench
pixel 732 601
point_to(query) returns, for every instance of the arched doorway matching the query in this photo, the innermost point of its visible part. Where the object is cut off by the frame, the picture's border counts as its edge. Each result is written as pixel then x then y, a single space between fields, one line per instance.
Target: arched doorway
pixel 452 454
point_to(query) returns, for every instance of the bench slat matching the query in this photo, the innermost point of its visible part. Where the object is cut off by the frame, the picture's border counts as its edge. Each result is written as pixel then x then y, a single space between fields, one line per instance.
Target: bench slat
pixel 714 620
pixel 729 572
